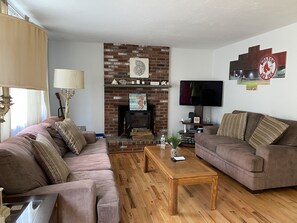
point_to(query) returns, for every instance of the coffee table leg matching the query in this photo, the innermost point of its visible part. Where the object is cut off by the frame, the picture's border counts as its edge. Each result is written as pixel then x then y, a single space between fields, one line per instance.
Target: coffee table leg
pixel 172 199
pixel 214 192
pixel 145 166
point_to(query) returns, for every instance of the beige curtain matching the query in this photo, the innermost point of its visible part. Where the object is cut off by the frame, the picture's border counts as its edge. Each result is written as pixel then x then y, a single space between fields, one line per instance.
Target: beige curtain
pixel 23 54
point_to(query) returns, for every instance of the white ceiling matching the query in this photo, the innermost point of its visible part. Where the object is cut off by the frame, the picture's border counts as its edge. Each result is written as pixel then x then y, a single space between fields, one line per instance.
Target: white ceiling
pixel 174 23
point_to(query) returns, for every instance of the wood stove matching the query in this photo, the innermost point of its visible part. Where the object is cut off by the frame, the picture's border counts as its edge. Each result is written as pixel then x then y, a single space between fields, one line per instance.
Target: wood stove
pixel 129 120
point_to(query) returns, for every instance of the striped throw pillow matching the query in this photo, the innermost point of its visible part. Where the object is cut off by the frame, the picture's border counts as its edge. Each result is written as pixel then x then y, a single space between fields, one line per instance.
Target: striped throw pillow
pixel 50 160
pixel 268 131
pixel 233 125
pixel 71 135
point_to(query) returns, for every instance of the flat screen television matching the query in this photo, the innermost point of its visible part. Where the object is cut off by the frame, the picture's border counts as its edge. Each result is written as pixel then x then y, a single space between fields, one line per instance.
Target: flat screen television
pixel 201 93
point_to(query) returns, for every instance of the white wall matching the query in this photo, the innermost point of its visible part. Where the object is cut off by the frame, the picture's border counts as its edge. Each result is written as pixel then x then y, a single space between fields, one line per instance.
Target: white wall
pixel 277 99
pixel 186 64
pixel 87 105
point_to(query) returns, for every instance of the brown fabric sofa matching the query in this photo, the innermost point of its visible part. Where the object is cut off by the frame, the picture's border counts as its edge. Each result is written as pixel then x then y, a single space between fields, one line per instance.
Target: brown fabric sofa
pixel 268 166
pixel 90 193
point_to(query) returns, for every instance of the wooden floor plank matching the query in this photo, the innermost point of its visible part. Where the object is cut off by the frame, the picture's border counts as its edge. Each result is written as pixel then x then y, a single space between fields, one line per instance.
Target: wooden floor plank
pixel 144 198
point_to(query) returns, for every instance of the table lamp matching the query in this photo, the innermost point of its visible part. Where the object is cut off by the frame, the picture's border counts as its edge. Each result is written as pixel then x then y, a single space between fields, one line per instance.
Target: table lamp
pixel 68 81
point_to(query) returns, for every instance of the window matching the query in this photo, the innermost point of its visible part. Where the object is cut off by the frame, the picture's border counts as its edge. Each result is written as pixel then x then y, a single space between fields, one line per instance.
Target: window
pixel 29 108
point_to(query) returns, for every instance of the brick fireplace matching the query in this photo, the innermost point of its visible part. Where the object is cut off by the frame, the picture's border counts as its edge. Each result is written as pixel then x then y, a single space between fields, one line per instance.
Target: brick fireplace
pixel 116 66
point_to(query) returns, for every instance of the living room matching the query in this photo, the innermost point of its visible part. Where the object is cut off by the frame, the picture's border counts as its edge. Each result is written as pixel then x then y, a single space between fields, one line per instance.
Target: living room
pixel 186 62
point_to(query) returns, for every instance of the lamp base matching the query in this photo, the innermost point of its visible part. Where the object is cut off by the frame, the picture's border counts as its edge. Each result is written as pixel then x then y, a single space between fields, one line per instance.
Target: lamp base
pixel 67 94
pixel 5 103
pixel 4 212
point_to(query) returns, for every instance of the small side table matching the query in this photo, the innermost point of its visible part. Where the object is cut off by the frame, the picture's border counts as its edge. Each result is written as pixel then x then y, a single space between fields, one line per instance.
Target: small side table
pixel 32 209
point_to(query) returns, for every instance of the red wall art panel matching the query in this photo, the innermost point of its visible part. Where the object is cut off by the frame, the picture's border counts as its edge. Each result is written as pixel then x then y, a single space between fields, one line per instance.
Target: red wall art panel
pixel 257 67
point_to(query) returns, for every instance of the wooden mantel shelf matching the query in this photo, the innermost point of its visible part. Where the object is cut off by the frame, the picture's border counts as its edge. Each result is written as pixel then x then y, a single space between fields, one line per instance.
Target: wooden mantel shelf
pixel 136 86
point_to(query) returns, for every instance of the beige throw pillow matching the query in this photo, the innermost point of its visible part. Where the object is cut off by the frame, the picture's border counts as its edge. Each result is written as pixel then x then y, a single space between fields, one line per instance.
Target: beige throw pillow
pixel 268 131
pixel 49 159
pixel 71 135
pixel 233 125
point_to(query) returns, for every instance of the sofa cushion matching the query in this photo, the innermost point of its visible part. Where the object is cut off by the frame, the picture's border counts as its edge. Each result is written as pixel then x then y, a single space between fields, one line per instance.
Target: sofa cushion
pixel 58 139
pixel 88 162
pixel 71 135
pixel 289 138
pixel 90 136
pixel 51 120
pixel 33 130
pixel 100 146
pixel 233 125
pixel 267 132
pixel 50 160
pixel 212 141
pixel 19 170
pixel 253 120
pixel 108 205
pixel 241 155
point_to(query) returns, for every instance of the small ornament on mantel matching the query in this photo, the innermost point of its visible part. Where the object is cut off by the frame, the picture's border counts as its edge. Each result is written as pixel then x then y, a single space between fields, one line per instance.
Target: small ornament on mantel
pixel 114 82
pixel 4 211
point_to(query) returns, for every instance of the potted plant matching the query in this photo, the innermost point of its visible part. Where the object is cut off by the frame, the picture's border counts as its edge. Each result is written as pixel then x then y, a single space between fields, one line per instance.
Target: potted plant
pixel 174 141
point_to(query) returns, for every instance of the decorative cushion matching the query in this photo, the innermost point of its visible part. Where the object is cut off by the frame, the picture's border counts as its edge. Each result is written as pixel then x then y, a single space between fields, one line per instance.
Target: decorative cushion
pixel 71 135
pixel 50 160
pixel 233 125
pixel 253 119
pixel 58 139
pixel 19 170
pixel 267 132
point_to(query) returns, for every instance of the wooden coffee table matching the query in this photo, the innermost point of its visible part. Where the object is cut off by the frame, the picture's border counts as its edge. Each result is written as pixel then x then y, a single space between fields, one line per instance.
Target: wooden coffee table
pixel 187 172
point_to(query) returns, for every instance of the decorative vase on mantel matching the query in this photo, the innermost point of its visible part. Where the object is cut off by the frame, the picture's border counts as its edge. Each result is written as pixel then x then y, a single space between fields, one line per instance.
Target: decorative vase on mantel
pixel 174 141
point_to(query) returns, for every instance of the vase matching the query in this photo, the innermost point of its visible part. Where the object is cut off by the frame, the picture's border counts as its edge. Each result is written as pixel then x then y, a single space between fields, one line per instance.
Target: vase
pixel 173 152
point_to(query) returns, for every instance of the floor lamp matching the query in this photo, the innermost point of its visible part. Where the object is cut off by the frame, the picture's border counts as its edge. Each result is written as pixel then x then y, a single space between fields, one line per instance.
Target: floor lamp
pixel 68 80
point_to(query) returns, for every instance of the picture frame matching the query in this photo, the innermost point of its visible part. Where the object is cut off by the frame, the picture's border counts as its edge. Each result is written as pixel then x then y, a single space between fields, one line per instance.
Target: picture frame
pixel 196 119
pixel 137 102
pixel 139 67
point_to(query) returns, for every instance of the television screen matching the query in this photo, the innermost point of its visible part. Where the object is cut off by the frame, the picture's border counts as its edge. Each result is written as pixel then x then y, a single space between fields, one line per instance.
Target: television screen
pixel 203 93
pixel 137 102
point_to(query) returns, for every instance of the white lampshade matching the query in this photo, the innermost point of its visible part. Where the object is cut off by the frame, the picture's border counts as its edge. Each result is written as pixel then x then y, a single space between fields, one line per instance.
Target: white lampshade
pixel 68 79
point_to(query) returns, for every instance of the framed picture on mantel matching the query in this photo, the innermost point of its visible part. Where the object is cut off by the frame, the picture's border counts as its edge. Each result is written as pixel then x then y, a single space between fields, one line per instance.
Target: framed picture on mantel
pixel 139 67
pixel 137 102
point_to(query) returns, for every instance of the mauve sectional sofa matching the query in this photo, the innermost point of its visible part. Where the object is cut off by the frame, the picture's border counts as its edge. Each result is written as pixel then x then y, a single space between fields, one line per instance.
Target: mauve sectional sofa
pixel 90 194
pixel 264 167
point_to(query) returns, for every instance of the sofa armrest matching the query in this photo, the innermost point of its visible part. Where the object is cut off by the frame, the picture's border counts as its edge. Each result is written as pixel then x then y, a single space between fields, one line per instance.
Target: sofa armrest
pixel 76 200
pixel 210 130
pixel 279 164
pixel 90 136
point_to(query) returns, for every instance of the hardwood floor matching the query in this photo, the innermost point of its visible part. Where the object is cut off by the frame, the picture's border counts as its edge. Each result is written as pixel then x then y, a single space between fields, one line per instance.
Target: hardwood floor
pixel 144 198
